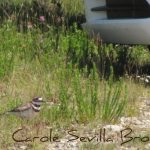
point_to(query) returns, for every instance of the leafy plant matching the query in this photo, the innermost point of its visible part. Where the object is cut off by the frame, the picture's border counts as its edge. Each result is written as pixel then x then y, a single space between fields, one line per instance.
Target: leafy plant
pixel 115 100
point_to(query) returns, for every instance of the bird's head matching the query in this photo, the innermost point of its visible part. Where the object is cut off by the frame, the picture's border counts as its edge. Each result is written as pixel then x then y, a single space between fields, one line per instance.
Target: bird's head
pixel 37 102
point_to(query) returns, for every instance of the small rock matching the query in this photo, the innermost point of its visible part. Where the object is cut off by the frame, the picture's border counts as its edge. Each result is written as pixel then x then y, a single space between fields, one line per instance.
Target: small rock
pixel 147 147
pixel 23 147
pixel 148 102
pixel 115 128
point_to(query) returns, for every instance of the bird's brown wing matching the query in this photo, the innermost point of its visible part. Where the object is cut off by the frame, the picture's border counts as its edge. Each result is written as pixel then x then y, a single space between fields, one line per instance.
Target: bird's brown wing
pixel 21 108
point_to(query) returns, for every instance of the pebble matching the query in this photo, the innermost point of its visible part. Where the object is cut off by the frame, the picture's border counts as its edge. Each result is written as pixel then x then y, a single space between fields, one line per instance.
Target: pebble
pixel 115 128
pixel 147 147
pixel 23 147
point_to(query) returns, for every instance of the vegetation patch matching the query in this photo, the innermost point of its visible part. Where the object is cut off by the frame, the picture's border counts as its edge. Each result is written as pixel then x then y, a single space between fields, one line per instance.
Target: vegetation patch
pixel 82 80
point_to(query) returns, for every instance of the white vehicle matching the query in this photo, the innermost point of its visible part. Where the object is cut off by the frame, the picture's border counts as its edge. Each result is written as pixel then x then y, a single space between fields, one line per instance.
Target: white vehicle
pixel 119 21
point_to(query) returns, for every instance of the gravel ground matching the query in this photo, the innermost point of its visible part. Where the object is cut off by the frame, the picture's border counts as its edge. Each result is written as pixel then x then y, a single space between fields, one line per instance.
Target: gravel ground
pixel 139 124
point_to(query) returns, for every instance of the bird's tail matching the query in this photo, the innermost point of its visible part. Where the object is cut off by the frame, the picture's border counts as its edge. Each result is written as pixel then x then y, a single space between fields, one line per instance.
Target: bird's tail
pixel 3 114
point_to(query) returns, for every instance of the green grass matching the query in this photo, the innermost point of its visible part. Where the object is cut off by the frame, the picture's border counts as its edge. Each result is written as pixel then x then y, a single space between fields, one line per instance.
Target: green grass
pixel 71 70
pixel 33 60
pixel 68 68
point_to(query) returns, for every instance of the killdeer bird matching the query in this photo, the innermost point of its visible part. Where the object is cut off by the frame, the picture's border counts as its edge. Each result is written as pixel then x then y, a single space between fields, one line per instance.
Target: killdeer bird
pixel 28 110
